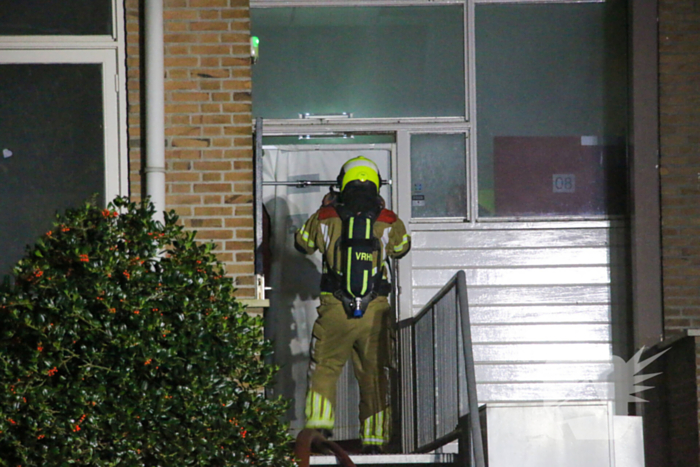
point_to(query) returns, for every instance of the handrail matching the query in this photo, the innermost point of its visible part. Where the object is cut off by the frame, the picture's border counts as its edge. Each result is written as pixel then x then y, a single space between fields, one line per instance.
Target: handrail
pixel 479 457
pixel 308 438
pixel 437 353
pixel 438 296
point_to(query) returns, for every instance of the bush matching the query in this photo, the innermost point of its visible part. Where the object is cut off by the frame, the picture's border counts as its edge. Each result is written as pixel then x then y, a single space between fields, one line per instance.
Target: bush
pixel 121 344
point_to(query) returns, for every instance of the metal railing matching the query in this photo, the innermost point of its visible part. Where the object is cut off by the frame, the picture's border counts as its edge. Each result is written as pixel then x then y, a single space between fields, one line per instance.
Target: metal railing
pixel 438 386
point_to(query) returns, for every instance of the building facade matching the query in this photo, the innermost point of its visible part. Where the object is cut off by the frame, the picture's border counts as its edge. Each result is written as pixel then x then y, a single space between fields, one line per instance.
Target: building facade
pixel 73 85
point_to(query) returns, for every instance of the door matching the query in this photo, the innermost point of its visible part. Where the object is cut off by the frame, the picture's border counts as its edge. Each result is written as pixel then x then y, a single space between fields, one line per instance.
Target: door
pixel 295 278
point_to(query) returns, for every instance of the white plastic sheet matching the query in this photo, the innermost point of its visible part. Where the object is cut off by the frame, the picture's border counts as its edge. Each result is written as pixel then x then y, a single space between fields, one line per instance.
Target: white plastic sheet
pixel 295 278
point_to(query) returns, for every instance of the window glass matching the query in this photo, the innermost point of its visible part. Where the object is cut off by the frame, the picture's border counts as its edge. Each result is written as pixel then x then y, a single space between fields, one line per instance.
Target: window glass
pixel 52 145
pixel 51 17
pixel 438 175
pixel 551 105
pixel 368 61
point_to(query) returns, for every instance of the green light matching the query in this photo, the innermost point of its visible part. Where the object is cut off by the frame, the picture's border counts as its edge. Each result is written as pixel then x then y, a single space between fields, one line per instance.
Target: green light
pixel 254 49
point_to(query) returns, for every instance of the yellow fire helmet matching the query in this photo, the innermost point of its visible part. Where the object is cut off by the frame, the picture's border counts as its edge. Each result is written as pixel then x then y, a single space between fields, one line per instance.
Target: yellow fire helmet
pixel 359 168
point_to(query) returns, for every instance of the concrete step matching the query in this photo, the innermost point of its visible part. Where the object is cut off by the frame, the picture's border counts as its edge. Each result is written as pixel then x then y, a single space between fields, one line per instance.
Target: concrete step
pixel 384 460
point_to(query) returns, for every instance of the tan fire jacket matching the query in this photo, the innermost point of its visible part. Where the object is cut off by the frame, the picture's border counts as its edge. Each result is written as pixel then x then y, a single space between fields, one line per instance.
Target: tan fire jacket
pixel 325 228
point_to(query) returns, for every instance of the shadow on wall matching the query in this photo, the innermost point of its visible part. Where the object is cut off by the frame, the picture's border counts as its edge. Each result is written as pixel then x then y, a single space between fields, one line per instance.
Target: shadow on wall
pixel 295 280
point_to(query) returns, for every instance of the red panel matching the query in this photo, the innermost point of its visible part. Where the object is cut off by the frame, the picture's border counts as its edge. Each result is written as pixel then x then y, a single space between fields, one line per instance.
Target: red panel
pixel 557 175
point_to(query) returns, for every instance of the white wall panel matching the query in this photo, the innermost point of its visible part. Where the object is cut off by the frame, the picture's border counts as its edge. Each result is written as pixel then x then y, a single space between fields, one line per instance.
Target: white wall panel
pixel 513 238
pixel 551 352
pixel 572 332
pixel 544 392
pixel 541 372
pixel 574 294
pixel 517 276
pixel 510 257
pixel 514 314
pixel 541 300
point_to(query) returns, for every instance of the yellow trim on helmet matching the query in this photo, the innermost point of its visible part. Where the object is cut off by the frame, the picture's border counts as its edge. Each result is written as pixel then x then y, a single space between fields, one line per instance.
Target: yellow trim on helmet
pixel 362 169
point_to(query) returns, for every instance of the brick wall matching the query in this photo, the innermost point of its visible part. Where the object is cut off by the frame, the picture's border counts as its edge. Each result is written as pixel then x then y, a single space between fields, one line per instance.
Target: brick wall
pixel 671 427
pixel 679 109
pixel 679 75
pixel 207 123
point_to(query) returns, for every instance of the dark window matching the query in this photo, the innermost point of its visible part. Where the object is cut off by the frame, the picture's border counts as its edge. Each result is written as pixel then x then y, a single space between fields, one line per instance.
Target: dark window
pixel 51 145
pixel 54 17
pixel 551 82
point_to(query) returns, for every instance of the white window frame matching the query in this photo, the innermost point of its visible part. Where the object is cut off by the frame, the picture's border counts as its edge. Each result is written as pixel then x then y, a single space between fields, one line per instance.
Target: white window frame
pixel 405 211
pixel 110 52
pixel 274 127
pixel 60 40
pixel 400 127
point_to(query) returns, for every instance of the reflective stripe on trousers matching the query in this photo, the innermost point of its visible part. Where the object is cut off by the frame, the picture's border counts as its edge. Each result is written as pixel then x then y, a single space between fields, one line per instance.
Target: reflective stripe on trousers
pixel 375 429
pixel 319 411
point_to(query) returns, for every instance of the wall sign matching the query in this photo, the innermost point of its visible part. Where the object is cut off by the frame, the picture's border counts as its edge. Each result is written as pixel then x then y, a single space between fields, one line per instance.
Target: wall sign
pixel 563 183
pixel 418 200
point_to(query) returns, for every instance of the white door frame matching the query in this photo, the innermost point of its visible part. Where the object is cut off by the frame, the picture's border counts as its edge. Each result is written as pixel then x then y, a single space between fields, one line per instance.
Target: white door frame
pixel 347 423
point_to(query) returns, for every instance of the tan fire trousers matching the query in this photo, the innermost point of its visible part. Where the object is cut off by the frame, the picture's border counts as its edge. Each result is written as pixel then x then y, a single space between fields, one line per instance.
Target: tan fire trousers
pixel 336 338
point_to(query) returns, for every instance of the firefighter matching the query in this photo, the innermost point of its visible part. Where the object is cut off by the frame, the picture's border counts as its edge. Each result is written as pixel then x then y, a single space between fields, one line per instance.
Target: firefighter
pixel 355 236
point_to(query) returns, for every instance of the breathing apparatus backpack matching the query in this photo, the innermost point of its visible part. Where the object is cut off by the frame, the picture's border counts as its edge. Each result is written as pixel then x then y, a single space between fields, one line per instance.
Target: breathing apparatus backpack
pixel 357 283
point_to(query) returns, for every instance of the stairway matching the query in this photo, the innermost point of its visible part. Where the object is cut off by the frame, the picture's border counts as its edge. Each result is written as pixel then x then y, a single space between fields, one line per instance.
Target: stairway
pixel 439 405
pixel 404 460
pixel 568 434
